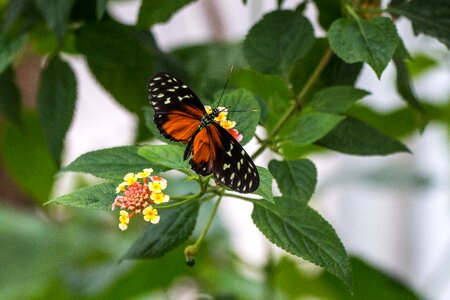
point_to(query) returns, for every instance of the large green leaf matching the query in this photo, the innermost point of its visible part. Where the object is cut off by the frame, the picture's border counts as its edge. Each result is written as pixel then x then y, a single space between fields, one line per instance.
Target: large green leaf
pixel 112 163
pixel 56 14
pixel 9 48
pixel 26 157
pixel 247 111
pixel 276 42
pixel 10 104
pixel 168 156
pixel 355 137
pixel 119 61
pixel 300 230
pixel 155 11
pixel 56 103
pixel 101 8
pixel 308 127
pixel 99 196
pixel 296 179
pixel 430 17
pixel 373 41
pixel 336 99
pixel 175 227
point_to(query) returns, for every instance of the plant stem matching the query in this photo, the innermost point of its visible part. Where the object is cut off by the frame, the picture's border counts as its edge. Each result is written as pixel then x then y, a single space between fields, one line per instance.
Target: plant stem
pixel 299 99
pixel 208 224
pixel 240 197
pixel 175 204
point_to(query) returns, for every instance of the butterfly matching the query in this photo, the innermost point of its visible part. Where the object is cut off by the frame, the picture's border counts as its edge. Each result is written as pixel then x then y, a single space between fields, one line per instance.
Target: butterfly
pixel 180 116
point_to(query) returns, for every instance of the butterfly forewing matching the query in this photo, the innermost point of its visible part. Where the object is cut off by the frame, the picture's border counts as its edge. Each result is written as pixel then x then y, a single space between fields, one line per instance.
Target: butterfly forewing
pixel 178 110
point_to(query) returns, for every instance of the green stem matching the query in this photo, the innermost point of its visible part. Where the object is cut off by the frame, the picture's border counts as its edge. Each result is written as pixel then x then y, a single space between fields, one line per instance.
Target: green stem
pixel 299 100
pixel 175 204
pixel 208 224
pixel 241 197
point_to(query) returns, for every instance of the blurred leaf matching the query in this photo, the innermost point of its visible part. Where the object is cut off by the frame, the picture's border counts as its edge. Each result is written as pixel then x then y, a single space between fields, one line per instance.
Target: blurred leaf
pixel 243 102
pixel 169 156
pixel 112 163
pixel 265 187
pixel 277 41
pixel 14 11
pixel 297 179
pixel 175 227
pixel 300 230
pixel 336 99
pixel 420 63
pixel 155 11
pixel 119 61
pixel 10 104
pixel 56 103
pixel 207 77
pixel 26 157
pixel 9 48
pixel 308 127
pixel 101 8
pixel 355 137
pixel 368 283
pixel 404 86
pixel 150 124
pixel 329 11
pixel 431 17
pixel 56 14
pixel 263 85
pixel 98 196
pixel 373 41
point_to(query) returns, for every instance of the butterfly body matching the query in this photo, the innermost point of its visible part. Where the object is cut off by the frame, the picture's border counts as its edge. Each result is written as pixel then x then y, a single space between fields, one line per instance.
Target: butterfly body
pixel 180 116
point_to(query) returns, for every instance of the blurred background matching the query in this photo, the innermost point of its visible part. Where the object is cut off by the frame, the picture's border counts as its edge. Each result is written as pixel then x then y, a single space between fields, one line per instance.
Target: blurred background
pixel 392 212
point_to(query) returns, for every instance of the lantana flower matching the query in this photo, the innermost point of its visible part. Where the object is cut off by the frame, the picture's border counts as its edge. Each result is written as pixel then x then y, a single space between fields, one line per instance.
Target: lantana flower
pixel 138 192
pixel 223 121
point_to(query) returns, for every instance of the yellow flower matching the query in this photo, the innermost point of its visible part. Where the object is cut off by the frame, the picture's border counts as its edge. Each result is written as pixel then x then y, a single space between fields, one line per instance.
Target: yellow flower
pixel 223 113
pixel 145 173
pixel 208 109
pixel 121 187
pixel 159 198
pixel 130 178
pixel 227 124
pixel 157 185
pixel 151 215
pixel 124 220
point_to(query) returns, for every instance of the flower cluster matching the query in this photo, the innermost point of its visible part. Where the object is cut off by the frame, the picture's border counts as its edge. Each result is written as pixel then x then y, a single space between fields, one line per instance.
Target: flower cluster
pixel 139 192
pixel 224 122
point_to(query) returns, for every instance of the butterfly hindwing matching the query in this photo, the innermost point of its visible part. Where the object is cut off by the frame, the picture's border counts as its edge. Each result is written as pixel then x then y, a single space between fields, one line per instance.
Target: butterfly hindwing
pixel 178 110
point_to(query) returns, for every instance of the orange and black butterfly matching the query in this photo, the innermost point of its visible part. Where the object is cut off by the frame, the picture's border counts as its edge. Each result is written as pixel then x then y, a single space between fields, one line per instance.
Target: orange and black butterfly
pixel 180 116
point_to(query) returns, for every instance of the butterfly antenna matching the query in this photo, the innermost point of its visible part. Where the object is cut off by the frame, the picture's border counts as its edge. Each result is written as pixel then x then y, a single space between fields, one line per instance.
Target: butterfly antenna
pixel 226 84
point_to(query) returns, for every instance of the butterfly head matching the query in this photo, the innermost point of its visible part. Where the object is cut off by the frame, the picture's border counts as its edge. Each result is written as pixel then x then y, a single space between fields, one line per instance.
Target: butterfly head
pixel 215 112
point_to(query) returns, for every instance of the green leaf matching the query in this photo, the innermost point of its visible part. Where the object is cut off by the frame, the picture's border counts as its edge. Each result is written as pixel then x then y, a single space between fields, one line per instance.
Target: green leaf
pixel 276 42
pixel 150 124
pixel 112 163
pixel 26 157
pixel 373 41
pixel 420 63
pixel 265 185
pixel 99 196
pixel 56 14
pixel 9 49
pixel 56 103
pixel 247 111
pixel 355 137
pixel 155 11
pixel 336 99
pixel 118 60
pixel 297 179
pixel 329 11
pixel 175 227
pixel 431 17
pixel 168 156
pixel 308 127
pixel 10 104
pixel 101 8
pixel 300 230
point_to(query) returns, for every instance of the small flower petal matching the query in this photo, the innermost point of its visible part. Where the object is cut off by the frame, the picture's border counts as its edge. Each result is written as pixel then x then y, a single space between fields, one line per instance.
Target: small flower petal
pixel 121 187
pixel 123 227
pixel 130 178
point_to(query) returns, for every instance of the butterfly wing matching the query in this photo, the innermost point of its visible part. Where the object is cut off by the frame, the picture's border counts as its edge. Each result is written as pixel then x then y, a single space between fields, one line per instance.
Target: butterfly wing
pixel 178 111
pixel 216 151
